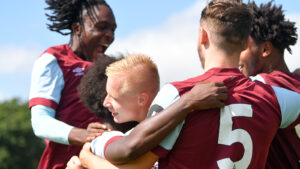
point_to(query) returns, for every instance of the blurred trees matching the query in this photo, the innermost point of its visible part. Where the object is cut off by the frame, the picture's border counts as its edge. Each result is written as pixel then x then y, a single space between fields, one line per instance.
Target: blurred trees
pixel 19 147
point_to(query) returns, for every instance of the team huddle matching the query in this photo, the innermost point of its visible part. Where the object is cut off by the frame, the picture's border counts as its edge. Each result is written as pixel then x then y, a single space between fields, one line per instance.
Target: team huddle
pixel 109 112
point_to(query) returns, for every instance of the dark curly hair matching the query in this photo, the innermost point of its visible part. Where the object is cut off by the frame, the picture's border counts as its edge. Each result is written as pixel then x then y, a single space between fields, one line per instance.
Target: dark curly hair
pixel 92 91
pixel 269 24
pixel 67 12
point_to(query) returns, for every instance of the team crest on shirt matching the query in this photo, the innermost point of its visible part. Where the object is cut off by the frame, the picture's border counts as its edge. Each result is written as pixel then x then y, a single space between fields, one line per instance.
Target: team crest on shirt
pixel 79 71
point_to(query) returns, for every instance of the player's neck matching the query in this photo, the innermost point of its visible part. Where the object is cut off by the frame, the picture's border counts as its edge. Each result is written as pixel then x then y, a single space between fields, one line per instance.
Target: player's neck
pixel 275 62
pixel 75 47
pixel 219 59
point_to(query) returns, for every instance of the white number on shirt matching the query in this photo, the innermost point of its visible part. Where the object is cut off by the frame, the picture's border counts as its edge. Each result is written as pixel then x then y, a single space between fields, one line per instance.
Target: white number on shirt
pixel 227 136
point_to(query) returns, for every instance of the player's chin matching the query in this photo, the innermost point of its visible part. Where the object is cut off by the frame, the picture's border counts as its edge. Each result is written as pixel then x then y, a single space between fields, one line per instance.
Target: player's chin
pixel 117 120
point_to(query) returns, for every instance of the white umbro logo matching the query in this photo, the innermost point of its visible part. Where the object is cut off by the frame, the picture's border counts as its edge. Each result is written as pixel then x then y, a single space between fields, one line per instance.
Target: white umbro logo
pixel 78 71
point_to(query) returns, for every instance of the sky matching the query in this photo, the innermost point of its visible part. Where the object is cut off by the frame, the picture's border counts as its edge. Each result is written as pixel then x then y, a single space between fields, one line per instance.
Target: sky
pixel 166 30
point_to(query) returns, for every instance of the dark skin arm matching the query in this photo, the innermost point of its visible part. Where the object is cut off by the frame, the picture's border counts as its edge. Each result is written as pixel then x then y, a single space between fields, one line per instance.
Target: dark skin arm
pixel 149 133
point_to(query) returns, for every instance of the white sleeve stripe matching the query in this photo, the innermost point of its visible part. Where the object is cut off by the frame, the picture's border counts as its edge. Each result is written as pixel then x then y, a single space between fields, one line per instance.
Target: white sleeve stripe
pixel 47 78
pixel 289 102
pixel 42 117
pixel 98 145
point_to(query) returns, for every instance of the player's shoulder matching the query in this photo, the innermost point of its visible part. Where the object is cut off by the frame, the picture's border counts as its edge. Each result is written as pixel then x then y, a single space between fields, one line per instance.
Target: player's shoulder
pixel 56 51
pixel 167 92
pixel 277 75
pixel 186 85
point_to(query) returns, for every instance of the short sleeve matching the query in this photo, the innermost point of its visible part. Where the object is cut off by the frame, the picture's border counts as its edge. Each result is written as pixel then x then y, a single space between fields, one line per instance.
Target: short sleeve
pixel 47 82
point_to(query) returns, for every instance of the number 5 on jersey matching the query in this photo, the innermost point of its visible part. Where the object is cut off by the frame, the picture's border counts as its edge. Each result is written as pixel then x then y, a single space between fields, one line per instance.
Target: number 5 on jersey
pixel 228 136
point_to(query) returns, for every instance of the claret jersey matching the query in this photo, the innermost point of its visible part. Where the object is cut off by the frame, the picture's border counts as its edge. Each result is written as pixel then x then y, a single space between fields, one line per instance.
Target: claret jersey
pixel 236 136
pixel 285 148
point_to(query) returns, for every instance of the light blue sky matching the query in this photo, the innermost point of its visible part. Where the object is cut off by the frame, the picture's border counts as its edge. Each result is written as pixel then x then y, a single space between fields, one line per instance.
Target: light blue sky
pixel 164 29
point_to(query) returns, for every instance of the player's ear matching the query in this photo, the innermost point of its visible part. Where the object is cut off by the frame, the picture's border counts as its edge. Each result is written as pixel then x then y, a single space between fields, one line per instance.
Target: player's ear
pixel 203 36
pixel 143 98
pixel 76 29
pixel 267 49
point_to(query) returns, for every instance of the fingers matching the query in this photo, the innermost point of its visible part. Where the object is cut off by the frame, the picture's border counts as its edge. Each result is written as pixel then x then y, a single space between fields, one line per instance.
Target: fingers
pixel 215 104
pixel 208 95
pixel 97 125
pixel 96 128
pixel 222 96
pixel 86 146
pixel 222 89
pixel 220 104
pixel 74 163
pixel 90 139
pixel 219 84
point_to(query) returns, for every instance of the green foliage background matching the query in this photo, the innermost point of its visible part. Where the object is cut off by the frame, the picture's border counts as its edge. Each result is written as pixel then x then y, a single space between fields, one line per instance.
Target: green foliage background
pixel 19 147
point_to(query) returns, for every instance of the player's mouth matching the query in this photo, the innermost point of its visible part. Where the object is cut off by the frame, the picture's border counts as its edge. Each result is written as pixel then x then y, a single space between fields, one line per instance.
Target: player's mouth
pixel 102 48
pixel 114 114
pixel 105 46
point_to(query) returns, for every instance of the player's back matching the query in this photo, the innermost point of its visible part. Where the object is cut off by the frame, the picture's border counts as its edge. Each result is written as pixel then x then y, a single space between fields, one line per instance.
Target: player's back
pixel 236 136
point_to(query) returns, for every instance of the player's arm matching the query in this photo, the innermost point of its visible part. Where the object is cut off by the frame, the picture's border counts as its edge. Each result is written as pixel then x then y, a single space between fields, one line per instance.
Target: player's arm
pixel 152 131
pixel 46 85
pixel 91 161
pixel 45 126
pixel 289 106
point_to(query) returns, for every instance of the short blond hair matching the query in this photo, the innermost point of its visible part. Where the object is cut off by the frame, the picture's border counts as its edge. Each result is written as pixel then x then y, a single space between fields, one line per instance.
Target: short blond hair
pixel 139 69
pixel 128 63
